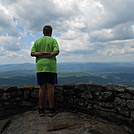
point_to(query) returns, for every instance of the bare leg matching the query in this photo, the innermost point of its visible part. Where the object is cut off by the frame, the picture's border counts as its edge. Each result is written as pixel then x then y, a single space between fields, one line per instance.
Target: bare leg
pixel 50 89
pixel 42 94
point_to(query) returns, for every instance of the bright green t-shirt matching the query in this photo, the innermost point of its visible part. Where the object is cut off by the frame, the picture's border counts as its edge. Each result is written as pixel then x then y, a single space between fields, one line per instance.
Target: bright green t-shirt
pixel 46 44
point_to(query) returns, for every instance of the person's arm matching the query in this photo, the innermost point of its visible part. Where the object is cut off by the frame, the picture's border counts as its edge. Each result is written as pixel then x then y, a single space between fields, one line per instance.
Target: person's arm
pixel 49 54
pixel 55 53
pixel 45 54
pixel 39 54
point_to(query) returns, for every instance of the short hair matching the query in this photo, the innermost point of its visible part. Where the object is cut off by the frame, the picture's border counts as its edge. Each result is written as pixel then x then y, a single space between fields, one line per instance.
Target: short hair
pixel 47 30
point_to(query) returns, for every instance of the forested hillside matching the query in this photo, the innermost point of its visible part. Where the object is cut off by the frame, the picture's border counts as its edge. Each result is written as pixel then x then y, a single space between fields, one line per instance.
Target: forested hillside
pixel 91 72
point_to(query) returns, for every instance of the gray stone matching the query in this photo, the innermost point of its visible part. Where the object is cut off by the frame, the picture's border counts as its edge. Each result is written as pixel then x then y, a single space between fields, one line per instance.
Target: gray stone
pixel 120 101
pixel 26 94
pixel 81 103
pixel 117 88
pixel 106 104
pixel 6 96
pixel 17 99
pixel 125 95
pixel 86 132
pixel 71 100
pixel 58 88
pixel 89 106
pixel 27 104
pixel 103 109
pixel 1 91
pixel 86 95
pixel 130 89
pixel 64 121
pixel 9 104
pixel 4 124
pixel 80 87
pixel 60 99
pixel 130 104
pixel 104 95
pixel 95 88
pixel 128 129
pixel 8 88
pixel 132 115
pixel 123 111
pixel 68 86
pixel 16 93
pixel 34 94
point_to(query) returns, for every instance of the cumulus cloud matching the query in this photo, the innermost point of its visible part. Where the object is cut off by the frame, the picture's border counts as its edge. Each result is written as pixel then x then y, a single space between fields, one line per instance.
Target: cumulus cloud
pixel 7 25
pixel 119 32
pixel 116 48
pixel 33 15
pixel 10 43
pixel 88 27
pixel 116 12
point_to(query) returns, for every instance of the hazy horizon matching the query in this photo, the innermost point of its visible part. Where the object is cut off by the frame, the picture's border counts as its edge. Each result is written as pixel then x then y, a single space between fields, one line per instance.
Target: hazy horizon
pixel 74 62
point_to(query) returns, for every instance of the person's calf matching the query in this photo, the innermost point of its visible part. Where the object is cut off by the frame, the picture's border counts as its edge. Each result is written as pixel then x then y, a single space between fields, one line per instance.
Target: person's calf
pixel 50 89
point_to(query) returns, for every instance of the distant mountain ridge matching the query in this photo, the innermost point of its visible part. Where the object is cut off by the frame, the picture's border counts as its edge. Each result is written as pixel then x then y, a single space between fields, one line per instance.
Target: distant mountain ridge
pixel 88 72
pixel 24 67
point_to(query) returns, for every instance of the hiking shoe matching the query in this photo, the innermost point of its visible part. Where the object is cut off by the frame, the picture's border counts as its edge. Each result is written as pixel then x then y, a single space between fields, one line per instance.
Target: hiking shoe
pixel 41 112
pixel 52 112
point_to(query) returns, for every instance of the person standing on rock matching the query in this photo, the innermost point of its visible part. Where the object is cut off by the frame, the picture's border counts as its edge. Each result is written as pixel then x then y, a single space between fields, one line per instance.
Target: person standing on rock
pixel 45 49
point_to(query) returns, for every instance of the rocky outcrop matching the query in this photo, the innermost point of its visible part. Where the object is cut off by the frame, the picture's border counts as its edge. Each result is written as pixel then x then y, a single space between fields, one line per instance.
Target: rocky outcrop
pixel 62 123
pixel 112 102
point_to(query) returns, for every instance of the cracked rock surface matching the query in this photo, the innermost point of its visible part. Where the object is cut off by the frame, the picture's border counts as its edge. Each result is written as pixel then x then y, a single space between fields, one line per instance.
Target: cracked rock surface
pixel 62 123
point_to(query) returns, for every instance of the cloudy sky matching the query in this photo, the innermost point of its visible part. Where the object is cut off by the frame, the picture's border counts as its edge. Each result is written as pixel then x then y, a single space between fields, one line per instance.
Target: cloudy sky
pixel 86 30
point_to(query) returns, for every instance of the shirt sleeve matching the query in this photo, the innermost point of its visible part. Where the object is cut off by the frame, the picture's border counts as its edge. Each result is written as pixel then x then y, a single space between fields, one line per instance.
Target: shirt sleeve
pixel 55 46
pixel 34 49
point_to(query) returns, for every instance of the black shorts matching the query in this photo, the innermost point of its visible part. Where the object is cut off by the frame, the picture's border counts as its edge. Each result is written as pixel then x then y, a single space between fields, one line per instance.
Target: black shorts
pixel 46 77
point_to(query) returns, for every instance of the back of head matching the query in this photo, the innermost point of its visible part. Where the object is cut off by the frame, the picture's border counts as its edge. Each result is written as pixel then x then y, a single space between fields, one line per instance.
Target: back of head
pixel 47 30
